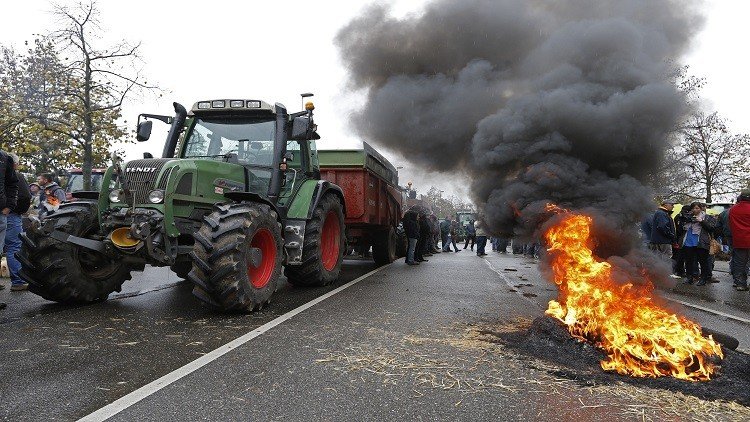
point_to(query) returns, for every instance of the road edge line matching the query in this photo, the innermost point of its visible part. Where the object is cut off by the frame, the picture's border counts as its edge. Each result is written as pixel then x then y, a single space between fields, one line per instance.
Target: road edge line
pixel 709 310
pixel 141 393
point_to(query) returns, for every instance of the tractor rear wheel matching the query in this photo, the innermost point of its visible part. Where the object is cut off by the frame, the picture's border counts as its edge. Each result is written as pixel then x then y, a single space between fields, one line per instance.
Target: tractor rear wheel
pixel 384 248
pixel 237 257
pixel 323 247
pixel 64 272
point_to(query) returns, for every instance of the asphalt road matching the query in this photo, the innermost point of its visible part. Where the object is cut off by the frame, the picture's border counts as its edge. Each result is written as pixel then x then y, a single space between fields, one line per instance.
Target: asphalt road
pixel 401 343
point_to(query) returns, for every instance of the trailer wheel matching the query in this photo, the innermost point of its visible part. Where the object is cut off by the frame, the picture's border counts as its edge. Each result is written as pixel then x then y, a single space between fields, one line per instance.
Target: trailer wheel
pixel 324 246
pixel 63 272
pixel 384 248
pixel 237 257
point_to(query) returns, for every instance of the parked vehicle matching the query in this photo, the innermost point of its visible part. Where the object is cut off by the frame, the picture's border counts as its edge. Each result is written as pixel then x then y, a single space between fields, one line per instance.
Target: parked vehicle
pixel 236 197
pixel 75 181
pixel 374 202
pixel 463 218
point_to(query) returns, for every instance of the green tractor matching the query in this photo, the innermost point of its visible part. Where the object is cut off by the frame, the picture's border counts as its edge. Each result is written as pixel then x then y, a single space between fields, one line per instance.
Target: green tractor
pixel 236 195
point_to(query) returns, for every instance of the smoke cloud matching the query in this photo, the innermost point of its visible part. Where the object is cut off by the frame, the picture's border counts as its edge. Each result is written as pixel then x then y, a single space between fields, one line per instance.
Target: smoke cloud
pixel 538 101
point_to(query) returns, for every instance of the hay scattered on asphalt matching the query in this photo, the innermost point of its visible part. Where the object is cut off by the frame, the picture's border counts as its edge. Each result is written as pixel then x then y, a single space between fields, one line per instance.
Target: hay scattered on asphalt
pixel 479 361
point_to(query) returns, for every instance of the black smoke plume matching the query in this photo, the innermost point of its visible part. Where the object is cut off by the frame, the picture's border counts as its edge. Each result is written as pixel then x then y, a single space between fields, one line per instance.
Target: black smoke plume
pixel 567 102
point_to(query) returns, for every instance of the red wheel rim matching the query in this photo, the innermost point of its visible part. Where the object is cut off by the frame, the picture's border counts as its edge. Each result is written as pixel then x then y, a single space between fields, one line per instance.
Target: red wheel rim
pixel 330 241
pixel 260 276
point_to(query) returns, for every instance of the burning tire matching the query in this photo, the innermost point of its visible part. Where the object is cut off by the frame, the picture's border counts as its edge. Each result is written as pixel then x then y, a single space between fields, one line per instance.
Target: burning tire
pixel 384 248
pixel 237 257
pixel 64 272
pixel 324 244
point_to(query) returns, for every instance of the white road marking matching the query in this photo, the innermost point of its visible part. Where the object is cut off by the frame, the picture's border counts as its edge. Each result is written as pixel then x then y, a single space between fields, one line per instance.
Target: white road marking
pixel 709 310
pixel 134 397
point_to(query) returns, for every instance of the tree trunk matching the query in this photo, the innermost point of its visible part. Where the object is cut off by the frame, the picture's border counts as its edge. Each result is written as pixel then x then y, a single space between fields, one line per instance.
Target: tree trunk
pixel 88 135
pixel 709 178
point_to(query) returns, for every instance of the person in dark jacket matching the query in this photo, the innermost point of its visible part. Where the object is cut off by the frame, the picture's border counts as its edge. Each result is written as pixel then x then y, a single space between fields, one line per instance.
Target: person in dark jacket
pixel 696 244
pixel 8 193
pixel 411 228
pixel 424 239
pixel 471 235
pixel 678 255
pixel 739 224
pixel 663 230
pixel 14 228
pixel 445 231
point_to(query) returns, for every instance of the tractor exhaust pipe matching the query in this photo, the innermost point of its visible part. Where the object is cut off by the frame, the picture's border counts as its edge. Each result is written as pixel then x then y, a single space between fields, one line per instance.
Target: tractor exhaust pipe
pixel 174 131
pixel 280 149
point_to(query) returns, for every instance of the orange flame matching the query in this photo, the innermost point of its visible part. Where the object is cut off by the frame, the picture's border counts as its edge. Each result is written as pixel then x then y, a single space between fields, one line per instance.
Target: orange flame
pixel 640 338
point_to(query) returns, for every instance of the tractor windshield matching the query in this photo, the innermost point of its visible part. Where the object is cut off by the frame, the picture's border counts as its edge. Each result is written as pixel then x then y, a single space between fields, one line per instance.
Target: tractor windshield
pixel 250 139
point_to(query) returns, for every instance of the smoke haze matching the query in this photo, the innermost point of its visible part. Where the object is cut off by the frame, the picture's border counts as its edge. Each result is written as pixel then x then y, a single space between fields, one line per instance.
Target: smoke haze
pixel 538 101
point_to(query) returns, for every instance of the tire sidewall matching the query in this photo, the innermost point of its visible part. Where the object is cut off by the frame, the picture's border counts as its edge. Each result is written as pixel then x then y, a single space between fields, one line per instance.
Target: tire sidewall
pixel 265 221
pixel 328 204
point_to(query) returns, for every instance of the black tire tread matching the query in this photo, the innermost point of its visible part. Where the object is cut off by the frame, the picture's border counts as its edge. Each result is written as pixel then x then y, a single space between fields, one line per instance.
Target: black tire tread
pixel 218 260
pixel 49 267
pixel 311 272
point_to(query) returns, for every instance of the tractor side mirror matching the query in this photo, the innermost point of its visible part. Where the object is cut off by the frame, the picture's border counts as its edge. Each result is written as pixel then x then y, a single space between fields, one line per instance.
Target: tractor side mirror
pixel 147 155
pixel 144 130
pixel 301 128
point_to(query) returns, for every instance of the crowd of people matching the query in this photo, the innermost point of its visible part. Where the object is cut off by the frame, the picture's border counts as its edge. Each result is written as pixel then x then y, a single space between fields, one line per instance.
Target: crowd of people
pixel 18 200
pixel 424 232
pixel 692 239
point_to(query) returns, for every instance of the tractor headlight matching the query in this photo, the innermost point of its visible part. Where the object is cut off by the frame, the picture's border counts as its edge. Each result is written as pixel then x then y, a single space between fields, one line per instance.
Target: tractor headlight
pixel 156 196
pixel 115 195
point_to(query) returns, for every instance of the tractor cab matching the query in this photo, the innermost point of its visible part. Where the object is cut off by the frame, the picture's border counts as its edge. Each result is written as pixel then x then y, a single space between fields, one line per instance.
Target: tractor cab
pixel 246 132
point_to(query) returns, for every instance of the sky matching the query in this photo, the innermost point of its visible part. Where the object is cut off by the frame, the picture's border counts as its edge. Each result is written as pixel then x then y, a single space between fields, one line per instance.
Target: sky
pixel 275 51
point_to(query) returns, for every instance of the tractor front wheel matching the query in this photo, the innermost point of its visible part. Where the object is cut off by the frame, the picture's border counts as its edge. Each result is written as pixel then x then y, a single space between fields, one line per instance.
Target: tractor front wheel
pixel 64 272
pixel 237 257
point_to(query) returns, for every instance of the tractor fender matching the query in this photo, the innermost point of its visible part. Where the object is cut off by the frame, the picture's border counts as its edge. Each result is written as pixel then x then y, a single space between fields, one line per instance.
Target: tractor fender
pixel 322 188
pixel 253 197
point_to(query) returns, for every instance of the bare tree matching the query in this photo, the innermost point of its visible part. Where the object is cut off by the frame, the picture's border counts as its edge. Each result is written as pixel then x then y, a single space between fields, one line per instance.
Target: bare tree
pixel 718 160
pixel 101 79
pixel 704 159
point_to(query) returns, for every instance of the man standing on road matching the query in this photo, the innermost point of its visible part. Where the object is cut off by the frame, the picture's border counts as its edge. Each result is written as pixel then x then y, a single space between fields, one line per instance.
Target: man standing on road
pixel 663 230
pixel 739 225
pixel 445 231
pixel 452 236
pixel 8 194
pixel 424 239
pixel 15 228
pixel 471 234
pixel 412 234
pixel 481 236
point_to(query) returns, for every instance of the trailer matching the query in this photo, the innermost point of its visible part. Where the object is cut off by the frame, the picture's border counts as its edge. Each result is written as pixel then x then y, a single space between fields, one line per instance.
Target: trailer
pixel 374 201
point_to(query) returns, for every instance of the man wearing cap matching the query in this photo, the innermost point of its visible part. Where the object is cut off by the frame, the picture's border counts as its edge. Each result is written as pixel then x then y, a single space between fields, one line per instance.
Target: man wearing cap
pixel 663 230
pixel 739 225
